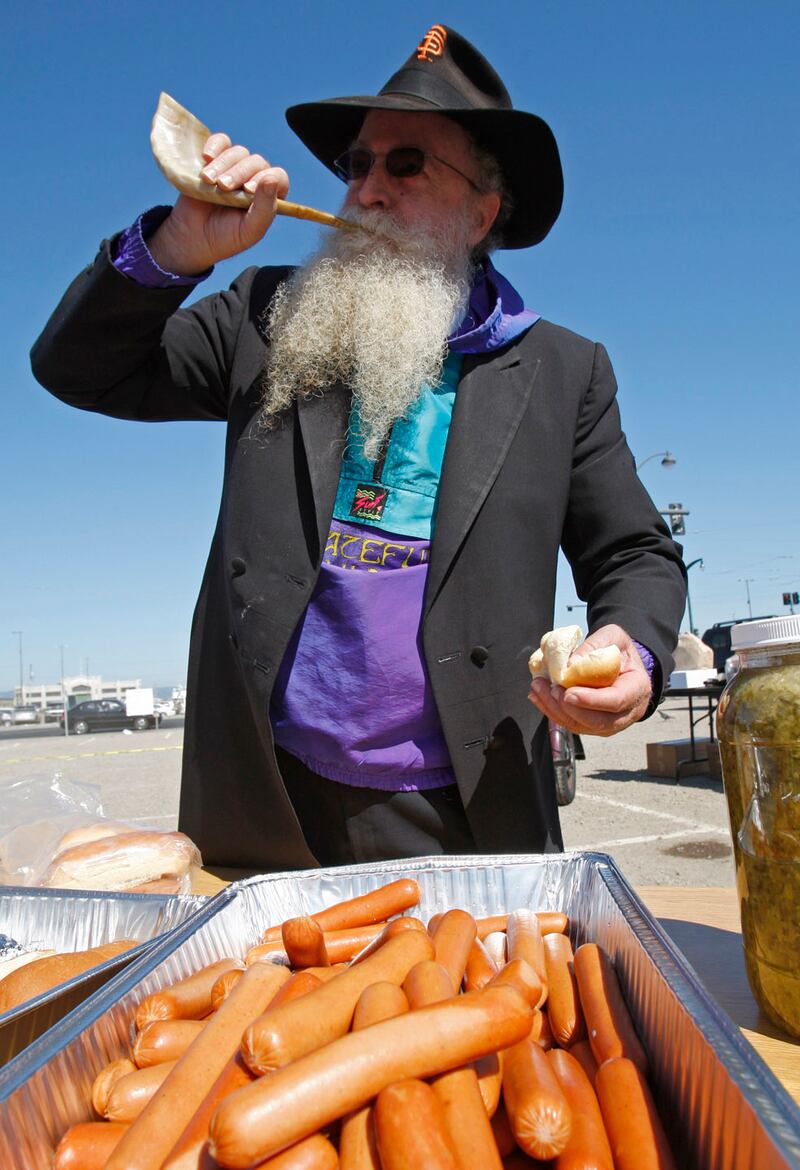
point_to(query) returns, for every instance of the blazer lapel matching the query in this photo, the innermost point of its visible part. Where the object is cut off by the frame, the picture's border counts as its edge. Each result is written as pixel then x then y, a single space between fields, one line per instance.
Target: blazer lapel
pixel 323 422
pixel 492 397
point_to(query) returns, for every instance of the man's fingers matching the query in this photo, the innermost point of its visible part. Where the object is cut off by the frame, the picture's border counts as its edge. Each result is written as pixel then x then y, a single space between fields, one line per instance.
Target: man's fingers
pixel 215 144
pixel 222 162
pixel 269 176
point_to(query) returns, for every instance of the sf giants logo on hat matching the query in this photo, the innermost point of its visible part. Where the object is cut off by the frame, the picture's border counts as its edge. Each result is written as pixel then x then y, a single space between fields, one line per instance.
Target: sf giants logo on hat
pixel 369 502
pixel 432 44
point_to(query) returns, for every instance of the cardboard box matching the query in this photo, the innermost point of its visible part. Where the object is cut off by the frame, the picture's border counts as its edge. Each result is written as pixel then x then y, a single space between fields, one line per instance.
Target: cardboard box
pixel 691 678
pixel 663 759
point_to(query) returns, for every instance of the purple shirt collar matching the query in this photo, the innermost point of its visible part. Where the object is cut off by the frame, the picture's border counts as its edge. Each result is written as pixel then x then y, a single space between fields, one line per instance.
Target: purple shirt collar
pixel 495 315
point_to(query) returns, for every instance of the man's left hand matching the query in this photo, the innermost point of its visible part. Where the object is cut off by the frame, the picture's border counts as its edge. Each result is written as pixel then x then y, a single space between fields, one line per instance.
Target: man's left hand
pixel 598 710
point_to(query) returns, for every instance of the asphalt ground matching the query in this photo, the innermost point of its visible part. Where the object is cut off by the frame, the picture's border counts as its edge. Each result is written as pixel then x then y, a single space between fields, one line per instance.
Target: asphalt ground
pixel 658 831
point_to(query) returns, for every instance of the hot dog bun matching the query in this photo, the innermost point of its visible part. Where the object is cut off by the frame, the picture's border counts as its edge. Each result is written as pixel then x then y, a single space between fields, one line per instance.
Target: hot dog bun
pixel 123 861
pixel 37 977
pixel 556 661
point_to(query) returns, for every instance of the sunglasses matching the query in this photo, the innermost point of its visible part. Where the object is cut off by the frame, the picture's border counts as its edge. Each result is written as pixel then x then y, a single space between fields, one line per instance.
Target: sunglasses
pixel 402 162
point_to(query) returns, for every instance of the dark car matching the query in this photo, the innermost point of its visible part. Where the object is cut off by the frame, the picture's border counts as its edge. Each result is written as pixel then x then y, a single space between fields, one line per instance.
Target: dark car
pixel 105 715
pixel 718 637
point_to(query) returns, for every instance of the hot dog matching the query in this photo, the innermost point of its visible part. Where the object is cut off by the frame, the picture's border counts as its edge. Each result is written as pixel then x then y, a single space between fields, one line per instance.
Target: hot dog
pixel 563 1004
pixel 427 983
pixel 410 1129
pixel 540 1117
pixel 165 1040
pixel 297 1028
pixel 504 1138
pixel 42 974
pixel 304 943
pixel 188 999
pixel 519 974
pixel 190 1151
pixel 105 1081
pixel 88 1146
pixel 582 1051
pixel 313 1153
pixel 481 967
pixel 490 1080
pixel 130 1094
pixel 396 926
pixel 495 943
pixel 154 1133
pixel 375 906
pixel 341 945
pixel 524 937
pixel 224 986
pixel 308 1094
pixel 357 1145
pixel 608 1021
pixel 588 1147
pixel 550 922
pixel 452 943
pixel 466 1119
pixel 634 1129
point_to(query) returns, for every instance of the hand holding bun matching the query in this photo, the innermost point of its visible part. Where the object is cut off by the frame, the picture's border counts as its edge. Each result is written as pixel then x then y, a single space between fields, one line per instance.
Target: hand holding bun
pixel 555 660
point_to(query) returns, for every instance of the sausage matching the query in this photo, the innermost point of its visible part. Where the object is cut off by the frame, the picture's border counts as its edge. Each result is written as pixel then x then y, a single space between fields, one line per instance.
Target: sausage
pixel 540 1117
pixel 410 1129
pixel 433 923
pixel 357 1145
pixel 563 1004
pixel 224 986
pixel 495 943
pixel 130 1094
pixel 294 1029
pixel 106 1079
pixel 524 941
pixel 165 1040
pixel 313 1153
pixel 267 952
pixel 87 1146
pixel 396 926
pixel 490 1080
pixel 541 1031
pixel 188 999
pixel 375 906
pixel 519 974
pixel 452 943
pixel 154 1133
pixel 481 967
pixel 308 1094
pixel 588 1147
pixel 466 1119
pixel 341 945
pixel 550 922
pixel 582 1051
pixel 190 1151
pixel 304 943
pixel 608 1021
pixel 634 1129
pixel 427 983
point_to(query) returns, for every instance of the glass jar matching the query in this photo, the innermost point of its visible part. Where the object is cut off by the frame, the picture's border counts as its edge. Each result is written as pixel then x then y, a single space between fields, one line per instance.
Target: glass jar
pixel 758 727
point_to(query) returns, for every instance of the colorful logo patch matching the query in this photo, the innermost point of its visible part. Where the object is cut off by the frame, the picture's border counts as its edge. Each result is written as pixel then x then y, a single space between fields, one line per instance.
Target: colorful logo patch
pixel 432 44
pixel 369 501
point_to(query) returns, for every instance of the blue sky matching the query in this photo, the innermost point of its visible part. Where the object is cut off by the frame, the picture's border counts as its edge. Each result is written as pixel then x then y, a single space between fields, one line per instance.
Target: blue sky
pixel 678 247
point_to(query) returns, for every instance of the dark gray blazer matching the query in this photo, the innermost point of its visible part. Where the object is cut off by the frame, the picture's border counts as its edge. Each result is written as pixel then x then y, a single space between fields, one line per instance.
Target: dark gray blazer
pixel 535 460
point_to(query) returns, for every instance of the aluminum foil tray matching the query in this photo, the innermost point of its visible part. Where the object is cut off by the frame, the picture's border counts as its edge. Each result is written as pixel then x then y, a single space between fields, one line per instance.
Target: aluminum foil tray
pixel 74 920
pixel 722 1107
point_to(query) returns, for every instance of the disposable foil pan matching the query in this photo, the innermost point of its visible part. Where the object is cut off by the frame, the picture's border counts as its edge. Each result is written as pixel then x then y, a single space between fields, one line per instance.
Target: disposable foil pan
pixel 74 920
pixel 722 1107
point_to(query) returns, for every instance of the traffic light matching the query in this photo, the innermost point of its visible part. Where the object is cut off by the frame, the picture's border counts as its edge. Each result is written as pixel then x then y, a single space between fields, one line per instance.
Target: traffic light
pixel 791 599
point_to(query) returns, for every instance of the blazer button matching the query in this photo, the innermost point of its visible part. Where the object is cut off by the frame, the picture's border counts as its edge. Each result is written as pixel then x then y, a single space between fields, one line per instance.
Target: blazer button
pixel 237 566
pixel 478 655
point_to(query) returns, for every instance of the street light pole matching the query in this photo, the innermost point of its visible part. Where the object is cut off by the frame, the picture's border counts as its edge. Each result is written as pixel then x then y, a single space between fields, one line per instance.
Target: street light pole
pixel 18 634
pixel 668 460
pixel 697 561
pixel 746 581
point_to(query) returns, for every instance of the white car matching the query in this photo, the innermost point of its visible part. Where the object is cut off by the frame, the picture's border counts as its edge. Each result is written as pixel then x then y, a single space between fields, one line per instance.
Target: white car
pixel 9 715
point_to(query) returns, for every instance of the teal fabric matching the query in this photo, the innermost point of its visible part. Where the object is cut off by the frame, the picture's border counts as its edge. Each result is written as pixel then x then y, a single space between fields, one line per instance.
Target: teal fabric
pixel 413 465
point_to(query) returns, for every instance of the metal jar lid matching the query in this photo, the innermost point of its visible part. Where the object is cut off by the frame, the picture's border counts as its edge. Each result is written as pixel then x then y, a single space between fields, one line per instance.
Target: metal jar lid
pixel 767 632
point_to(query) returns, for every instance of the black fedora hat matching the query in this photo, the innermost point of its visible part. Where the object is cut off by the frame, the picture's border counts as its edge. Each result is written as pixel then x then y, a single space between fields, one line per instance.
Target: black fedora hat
pixel 447 75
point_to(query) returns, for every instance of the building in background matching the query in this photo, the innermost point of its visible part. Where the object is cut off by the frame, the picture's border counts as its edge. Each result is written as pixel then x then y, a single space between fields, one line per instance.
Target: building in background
pixel 76 688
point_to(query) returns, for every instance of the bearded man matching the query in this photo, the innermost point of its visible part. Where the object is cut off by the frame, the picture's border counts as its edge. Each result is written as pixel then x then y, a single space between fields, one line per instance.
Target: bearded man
pixel 407 447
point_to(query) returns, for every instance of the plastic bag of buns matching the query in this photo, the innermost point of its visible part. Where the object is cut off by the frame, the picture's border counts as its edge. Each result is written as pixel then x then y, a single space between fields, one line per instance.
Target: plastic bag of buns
pixel 53 833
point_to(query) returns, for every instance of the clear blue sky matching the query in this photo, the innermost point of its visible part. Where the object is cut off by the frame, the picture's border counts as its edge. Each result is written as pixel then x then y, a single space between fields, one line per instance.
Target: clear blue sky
pixel 678 247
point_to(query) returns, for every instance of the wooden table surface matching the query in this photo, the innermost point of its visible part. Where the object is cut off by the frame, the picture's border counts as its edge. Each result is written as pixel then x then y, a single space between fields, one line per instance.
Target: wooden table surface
pixel 704 923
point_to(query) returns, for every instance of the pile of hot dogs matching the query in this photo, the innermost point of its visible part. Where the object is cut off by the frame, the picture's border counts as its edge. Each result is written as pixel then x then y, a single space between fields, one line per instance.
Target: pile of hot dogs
pixel 346 1040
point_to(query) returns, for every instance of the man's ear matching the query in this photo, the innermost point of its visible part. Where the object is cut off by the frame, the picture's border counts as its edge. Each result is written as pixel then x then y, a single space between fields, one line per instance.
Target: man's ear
pixel 487 207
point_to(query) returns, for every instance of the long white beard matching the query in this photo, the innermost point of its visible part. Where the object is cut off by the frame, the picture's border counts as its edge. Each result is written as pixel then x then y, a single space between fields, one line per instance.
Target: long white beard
pixel 372 312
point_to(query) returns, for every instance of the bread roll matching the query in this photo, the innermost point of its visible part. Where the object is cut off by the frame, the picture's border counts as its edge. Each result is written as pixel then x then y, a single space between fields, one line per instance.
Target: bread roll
pixel 123 861
pixel 9 965
pixel 84 834
pixel 556 661
pixel 43 974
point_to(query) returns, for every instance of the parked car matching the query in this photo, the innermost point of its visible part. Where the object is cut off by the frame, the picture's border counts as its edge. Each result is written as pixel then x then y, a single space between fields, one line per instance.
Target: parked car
pixel 14 715
pixel 53 712
pixel 718 637
pixel 105 715
pixel 6 716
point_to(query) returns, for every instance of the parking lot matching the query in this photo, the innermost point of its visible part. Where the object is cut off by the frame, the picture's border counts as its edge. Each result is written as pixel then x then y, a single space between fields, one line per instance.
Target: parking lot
pixel 659 832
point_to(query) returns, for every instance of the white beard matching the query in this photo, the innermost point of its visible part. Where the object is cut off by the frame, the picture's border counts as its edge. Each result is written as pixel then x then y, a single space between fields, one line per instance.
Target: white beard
pixel 370 311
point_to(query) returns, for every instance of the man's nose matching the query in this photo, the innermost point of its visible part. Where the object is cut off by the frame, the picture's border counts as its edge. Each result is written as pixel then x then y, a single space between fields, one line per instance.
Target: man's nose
pixel 377 189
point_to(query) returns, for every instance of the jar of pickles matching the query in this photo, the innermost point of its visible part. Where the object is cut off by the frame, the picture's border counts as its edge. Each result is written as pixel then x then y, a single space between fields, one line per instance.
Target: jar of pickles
pixel 758 727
